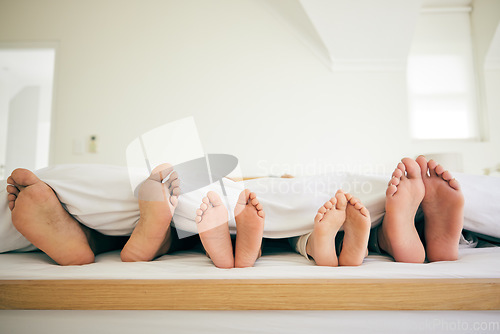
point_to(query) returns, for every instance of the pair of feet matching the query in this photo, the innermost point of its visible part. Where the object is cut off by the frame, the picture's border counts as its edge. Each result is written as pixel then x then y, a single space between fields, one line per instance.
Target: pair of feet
pixel 39 216
pixel 426 184
pixel 341 210
pixel 212 223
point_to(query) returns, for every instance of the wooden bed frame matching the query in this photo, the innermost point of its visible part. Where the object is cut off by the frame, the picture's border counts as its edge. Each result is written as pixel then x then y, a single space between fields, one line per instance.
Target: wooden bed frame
pixel 252 294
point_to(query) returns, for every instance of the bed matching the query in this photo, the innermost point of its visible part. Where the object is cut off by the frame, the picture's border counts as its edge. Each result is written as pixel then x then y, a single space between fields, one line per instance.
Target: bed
pixel 175 287
pixel 280 280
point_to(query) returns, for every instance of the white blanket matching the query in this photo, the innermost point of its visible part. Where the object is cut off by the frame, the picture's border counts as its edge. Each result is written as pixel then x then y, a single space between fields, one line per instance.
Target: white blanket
pixel 101 198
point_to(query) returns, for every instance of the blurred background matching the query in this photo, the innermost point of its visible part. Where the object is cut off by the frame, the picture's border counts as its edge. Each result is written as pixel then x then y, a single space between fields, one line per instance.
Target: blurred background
pixel 287 86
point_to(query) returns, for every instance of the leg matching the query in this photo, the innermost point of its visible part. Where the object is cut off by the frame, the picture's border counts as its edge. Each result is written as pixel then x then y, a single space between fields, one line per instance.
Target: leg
pixel 443 206
pixel 212 223
pixel 152 236
pixel 321 243
pixel 398 235
pixel 39 216
pixel 249 216
pixel 357 231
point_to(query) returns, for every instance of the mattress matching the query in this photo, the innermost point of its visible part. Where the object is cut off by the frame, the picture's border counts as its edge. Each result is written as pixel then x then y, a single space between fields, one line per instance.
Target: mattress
pixel 277 262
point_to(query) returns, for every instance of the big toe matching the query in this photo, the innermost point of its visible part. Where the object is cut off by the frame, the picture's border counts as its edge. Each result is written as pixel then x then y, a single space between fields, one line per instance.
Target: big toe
pixel 341 200
pixel 214 198
pixel 24 177
pixel 422 163
pixel 412 168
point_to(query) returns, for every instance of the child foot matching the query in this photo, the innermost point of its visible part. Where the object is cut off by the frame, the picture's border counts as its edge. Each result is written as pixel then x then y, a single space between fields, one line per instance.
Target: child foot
pixel 152 236
pixel 398 235
pixel 249 216
pixel 443 206
pixel 39 216
pixel 330 217
pixel 357 231
pixel 212 222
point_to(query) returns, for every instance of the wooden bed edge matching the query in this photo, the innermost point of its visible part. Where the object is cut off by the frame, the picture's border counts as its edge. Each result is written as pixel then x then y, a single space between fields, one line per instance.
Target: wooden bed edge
pixel 252 294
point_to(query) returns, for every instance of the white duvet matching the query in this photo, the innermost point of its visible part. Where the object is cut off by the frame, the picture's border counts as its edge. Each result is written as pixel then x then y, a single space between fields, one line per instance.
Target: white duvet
pixel 101 198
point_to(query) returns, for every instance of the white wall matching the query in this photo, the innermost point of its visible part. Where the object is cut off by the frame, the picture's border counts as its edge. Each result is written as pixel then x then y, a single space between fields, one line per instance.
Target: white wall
pixel 255 90
pixel 22 135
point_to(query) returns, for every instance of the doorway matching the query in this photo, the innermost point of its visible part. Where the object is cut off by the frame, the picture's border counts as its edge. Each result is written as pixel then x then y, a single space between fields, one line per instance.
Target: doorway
pixel 26 86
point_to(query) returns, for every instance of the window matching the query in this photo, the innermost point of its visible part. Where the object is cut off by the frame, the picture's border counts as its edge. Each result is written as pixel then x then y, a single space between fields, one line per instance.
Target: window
pixel 440 74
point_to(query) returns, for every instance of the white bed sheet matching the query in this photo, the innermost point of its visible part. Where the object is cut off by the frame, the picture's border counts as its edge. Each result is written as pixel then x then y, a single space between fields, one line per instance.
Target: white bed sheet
pixel 275 264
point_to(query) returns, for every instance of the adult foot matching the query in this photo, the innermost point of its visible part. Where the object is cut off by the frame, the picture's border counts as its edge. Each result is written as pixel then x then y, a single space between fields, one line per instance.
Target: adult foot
pixel 443 206
pixel 39 216
pixel 212 222
pixel 328 220
pixel 398 235
pixel 152 236
pixel 249 216
pixel 356 233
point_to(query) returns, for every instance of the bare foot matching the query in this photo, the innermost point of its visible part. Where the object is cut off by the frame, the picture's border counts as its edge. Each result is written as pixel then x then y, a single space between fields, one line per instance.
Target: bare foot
pixel 39 216
pixel 357 231
pixel 330 217
pixel 443 206
pixel 249 216
pixel 398 235
pixel 152 236
pixel 212 223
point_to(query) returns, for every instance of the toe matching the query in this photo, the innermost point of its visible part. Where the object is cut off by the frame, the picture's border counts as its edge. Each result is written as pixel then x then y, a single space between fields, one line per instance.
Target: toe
pixel 174 200
pixel 322 210
pixel 391 190
pixel 341 200
pixel 454 184
pixel 446 175
pixel 204 207
pixel 12 190
pixel 318 217
pixel 397 173
pixel 394 181
pixel 354 200
pixel 364 211
pixel 243 198
pixel 328 205
pixel 432 167
pixel 214 198
pixel 439 169
pixel 422 163
pixel 412 168
pixel 261 213
pixel 175 192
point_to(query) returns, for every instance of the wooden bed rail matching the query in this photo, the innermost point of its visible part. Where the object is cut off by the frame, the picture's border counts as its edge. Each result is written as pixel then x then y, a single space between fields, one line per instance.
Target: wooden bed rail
pixel 252 294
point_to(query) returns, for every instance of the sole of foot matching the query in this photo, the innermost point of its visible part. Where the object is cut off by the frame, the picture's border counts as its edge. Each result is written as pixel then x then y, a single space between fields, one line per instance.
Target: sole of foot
pixel 327 223
pixel 356 233
pixel 212 223
pixel 39 216
pixel 443 206
pixel 405 192
pixel 249 216
pixel 152 236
